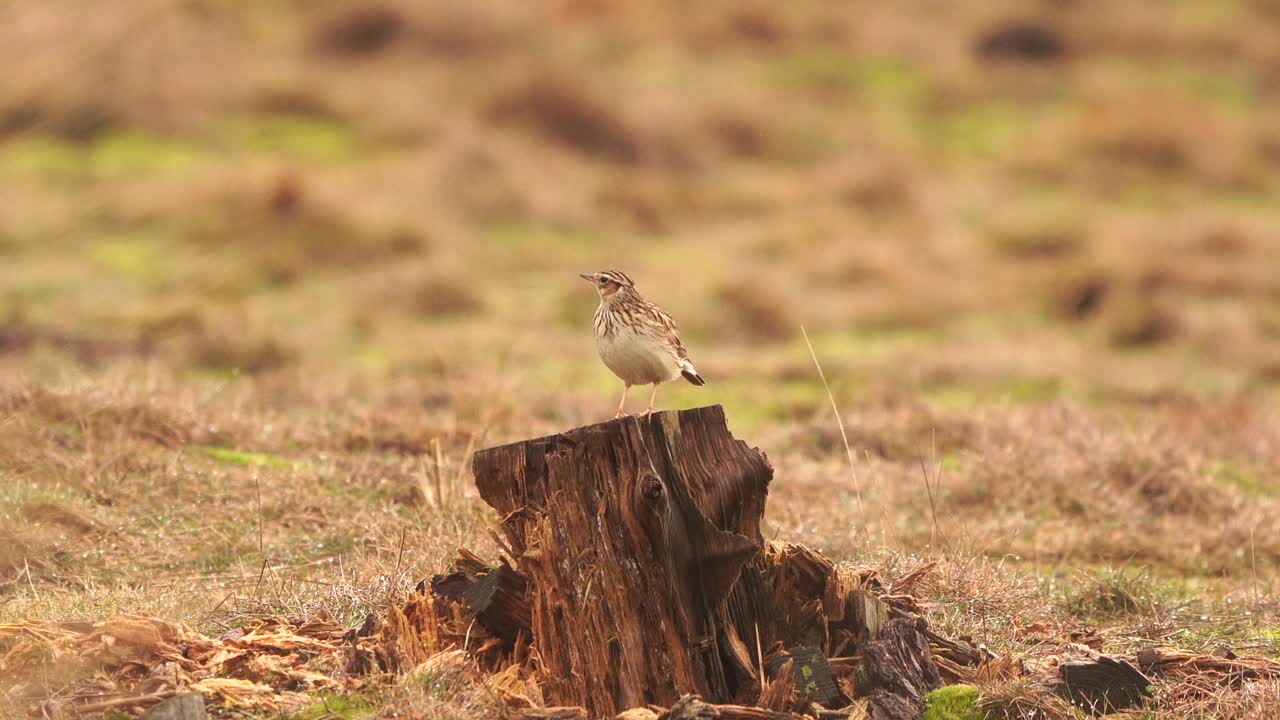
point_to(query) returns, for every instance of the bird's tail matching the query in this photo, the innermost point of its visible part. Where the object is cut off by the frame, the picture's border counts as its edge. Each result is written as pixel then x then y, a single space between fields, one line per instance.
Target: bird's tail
pixel 690 374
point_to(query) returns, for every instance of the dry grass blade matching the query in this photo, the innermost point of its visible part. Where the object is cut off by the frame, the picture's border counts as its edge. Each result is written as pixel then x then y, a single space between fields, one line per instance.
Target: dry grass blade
pixel 933 506
pixel 844 436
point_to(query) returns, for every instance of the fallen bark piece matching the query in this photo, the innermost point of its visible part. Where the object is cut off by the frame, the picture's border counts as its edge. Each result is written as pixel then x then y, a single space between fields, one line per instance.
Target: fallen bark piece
pixel 1174 662
pixel 810 675
pixel 500 602
pixel 900 670
pixel 1103 685
pixel 959 651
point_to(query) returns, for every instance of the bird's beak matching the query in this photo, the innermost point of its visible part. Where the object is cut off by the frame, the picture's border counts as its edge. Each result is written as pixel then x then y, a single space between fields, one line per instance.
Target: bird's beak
pixel 587 276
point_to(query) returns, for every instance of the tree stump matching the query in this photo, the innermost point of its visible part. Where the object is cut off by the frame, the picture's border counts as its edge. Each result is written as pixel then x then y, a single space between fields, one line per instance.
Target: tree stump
pixel 633 535
pixel 638 575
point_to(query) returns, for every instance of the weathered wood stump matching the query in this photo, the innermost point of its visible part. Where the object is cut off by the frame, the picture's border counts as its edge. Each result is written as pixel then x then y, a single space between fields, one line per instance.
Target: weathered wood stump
pixel 632 534
pixel 639 575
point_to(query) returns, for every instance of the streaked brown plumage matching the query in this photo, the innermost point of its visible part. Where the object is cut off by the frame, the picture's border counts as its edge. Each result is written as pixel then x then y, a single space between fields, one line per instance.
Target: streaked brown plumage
pixel 636 339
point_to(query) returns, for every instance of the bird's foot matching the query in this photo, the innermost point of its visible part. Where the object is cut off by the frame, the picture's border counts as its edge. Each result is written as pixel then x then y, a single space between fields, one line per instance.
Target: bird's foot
pixel 647 413
pixel 619 414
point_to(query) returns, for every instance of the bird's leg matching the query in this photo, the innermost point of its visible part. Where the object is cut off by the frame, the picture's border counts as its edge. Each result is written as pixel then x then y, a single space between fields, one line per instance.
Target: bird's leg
pixel 649 410
pixel 623 403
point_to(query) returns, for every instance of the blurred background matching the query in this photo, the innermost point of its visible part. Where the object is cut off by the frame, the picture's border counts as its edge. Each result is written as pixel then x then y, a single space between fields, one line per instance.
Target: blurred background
pixel 1060 198
pixel 1036 246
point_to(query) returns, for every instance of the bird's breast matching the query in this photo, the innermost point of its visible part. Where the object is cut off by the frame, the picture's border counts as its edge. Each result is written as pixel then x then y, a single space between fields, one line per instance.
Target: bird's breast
pixel 637 359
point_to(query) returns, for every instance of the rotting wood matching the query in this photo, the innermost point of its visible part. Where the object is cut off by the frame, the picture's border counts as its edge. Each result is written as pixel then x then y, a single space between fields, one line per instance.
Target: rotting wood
pixel 900 670
pixel 1103 685
pixel 500 602
pixel 780 693
pixel 810 675
pixel 959 651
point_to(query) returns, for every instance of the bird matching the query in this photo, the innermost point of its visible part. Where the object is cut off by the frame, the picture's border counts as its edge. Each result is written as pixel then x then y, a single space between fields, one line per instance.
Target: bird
pixel 636 339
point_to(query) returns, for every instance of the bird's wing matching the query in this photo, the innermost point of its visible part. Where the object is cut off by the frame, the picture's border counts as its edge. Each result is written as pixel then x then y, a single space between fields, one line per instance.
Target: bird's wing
pixel 664 328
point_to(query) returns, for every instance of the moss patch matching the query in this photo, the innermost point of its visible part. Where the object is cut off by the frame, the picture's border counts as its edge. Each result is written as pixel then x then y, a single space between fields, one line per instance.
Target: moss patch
pixel 339 706
pixel 111 155
pixel 1245 480
pixel 954 702
pixel 890 81
pixel 126 153
pixel 298 136
pixel 977 132
pixel 136 255
pixel 240 457
pixel 818 68
pixel 41 157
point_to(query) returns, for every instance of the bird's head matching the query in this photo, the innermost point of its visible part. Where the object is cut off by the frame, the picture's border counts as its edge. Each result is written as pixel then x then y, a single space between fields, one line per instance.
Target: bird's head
pixel 608 282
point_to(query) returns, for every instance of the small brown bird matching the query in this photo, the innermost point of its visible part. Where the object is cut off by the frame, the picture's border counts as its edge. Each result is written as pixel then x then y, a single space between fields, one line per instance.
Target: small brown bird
pixel 636 339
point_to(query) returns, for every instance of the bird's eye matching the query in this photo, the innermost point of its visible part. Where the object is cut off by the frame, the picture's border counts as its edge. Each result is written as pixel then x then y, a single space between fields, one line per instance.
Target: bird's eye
pixel 603 281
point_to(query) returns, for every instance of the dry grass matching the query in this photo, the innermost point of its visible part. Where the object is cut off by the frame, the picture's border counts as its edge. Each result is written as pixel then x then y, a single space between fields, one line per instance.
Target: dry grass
pixel 268 258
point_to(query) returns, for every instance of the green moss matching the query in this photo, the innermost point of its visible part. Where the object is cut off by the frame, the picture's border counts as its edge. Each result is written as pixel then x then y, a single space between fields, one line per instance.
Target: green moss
pixel 345 707
pixel 138 255
pixel 868 339
pixel 823 68
pixel 890 81
pixel 574 308
pixel 124 153
pixel 953 462
pixel 976 132
pixel 570 241
pixel 41 156
pixel 111 155
pixel 1032 390
pixel 299 136
pixel 954 396
pixel 373 356
pixel 752 411
pixel 883 81
pixel 1245 480
pixel 240 457
pixel 1227 87
pixel 953 702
